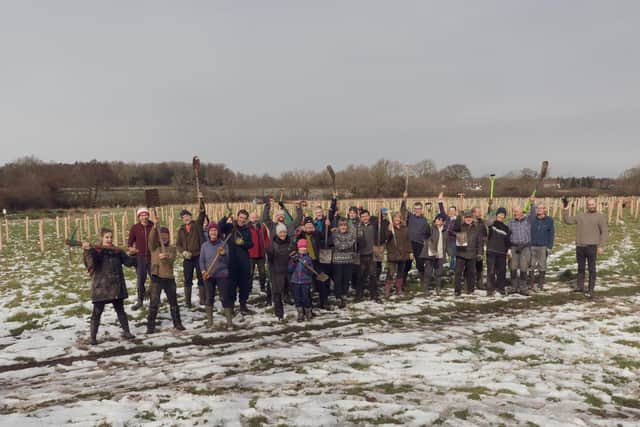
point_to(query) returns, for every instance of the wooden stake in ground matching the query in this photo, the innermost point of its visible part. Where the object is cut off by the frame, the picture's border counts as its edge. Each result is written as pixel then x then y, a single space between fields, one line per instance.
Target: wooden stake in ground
pixel 115 231
pixel 41 234
pixel 0 239
pixel 26 228
pixel 66 228
pixel 57 227
pixel 124 227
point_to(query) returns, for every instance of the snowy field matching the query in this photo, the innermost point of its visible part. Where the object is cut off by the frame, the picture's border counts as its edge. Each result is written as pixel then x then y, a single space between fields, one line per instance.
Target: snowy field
pixel 552 359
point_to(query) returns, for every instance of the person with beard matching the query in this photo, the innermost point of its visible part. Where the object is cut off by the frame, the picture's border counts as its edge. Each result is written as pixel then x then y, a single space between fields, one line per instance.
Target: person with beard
pixel 163 256
pixel 190 239
pixel 138 244
pixel 418 227
pixel 592 233
pixel 239 264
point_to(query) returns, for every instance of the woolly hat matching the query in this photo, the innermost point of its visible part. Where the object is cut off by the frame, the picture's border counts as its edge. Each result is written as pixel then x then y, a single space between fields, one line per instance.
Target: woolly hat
pixel 308 220
pixel 467 214
pixel 212 225
pixel 164 230
pixel 184 212
pixel 501 211
pixel 140 211
pixel 281 227
pixel 353 209
pixel 302 243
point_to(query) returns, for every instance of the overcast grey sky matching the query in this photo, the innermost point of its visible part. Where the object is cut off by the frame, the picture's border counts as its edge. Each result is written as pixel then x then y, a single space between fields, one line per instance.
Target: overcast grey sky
pixel 270 85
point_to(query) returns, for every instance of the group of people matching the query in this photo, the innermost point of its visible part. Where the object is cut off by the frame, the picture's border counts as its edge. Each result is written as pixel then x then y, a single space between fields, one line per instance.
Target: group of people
pixel 328 253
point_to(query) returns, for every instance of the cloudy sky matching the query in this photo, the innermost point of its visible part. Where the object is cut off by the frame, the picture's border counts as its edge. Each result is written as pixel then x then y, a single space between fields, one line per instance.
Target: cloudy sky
pixel 270 85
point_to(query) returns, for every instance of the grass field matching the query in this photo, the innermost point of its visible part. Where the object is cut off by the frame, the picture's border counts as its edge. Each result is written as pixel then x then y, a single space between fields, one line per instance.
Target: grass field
pixel 552 359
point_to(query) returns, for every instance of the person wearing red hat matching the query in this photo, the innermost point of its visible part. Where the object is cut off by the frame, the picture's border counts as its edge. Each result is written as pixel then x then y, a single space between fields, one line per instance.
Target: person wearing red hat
pixel 139 244
pixel 163 256
pixel 214 264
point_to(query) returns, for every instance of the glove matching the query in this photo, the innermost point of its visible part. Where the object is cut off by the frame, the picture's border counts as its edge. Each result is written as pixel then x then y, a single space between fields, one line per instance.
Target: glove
pixel 227 212
pixel 565 202
pixel 186 255
pixel 205 275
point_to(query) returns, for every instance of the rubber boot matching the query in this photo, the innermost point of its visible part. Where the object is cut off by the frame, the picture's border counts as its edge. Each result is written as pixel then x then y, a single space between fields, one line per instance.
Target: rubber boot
pixel 151 320
pixel 522 284
pixel 269 296
pixel 244 309
pixel 187 296
pixel 209 313
pixel 308 314
pixel 531 281
pixel 137 305
pixel 387 289
pixel 514 282
pixel 175 316
pixel 228 314
pixel 201 295
pixel 399 288
pixel 124 322
pixel 592 286
pixel 300 314
pixel 541 275
pixel 95 324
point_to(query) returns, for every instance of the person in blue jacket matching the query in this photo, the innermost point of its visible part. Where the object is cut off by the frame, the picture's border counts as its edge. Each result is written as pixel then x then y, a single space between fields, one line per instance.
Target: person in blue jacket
pixel 542 236
pixel 214 264
pixel 301 279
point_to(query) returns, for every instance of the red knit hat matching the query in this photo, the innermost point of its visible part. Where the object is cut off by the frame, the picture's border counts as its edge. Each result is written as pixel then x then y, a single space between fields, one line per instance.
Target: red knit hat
pixel 302 243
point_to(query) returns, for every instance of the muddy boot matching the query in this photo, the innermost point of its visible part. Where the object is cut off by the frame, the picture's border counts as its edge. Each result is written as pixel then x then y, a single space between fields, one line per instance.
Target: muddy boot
pixel 138 305
pixel 151 320
pixel 308 313
pixel 387 289
pixel 300 314
pixel 124 322
pixel 341 303
pixel 201 295
pixel 399 292
pixel 244 310
pixel 228 315
pixel 540 278
pixel 95 324
pixel 187 296
pixel 175 316
pixel 209 314
pixel 522 284
pixel 531 281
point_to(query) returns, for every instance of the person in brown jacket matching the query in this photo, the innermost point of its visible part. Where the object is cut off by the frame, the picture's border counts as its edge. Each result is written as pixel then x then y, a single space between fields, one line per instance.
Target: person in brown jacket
pixel 399 253
pixel 104 263
pixel 592 232
pixel 139 244
pixel 190 239
pixel 163 256
pixel 469 240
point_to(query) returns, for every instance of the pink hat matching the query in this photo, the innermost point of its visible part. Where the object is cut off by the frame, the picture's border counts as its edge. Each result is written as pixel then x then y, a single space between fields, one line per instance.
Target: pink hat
pixel 302 243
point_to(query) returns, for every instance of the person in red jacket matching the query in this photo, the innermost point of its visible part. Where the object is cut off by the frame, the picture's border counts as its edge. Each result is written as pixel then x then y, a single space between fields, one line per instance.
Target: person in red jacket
pixel 139 245
pixel 260 237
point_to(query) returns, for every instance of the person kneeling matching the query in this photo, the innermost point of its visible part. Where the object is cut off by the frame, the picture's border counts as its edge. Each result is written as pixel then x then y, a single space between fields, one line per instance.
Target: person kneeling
pixel 163 256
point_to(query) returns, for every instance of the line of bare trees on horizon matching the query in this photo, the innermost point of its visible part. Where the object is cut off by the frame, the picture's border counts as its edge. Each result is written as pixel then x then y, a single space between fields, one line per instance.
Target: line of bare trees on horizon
pixel 29 183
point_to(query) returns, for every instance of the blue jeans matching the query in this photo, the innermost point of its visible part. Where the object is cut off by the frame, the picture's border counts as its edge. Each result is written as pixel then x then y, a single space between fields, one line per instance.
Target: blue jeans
pixel 143 268
pixel 452 255
pixel 302 294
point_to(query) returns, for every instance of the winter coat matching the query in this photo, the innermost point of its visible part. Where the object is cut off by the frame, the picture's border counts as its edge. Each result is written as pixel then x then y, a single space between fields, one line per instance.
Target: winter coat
pixel 592 228
pixel 418 225
pixel 107 277
pixel 542 231
pixel 430 245
pixel 139 238
pixel 239 243
pixel 498 238
pixel 449 224
pixel 521 229
pixel 191 240
pixel 162 268
pixel 398 248
pixel 260 238
pixel 344 246
pixel 471 236
pixel 278 254
pixel 299 273
pixel 368 235
pixel 208 251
